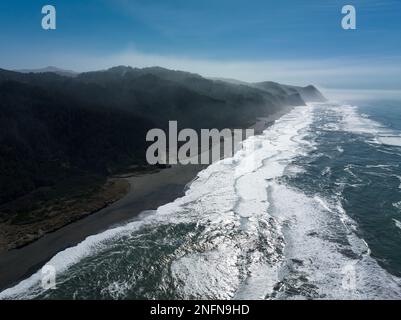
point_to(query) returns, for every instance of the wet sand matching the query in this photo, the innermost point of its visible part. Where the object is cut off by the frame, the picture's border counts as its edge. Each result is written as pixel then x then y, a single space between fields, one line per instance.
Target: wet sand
pixel 148 192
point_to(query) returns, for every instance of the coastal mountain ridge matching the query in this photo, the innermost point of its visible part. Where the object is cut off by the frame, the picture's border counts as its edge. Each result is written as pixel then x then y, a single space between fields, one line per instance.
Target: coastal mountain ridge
pixel 61 72
pixel 61 132
pixel 97 120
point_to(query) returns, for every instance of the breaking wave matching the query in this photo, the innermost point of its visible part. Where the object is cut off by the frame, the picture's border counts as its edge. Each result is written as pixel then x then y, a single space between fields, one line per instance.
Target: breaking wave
pixel 243 230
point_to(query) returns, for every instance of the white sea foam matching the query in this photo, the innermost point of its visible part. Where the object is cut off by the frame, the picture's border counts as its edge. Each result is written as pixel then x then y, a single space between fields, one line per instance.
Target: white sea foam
pixel 312 229
pixel 390 140
pixel 64 259
pixel 397 205
pixel 213 195
pixel 397 223
pixel 243 197
pixel 355 122
pixel 264 158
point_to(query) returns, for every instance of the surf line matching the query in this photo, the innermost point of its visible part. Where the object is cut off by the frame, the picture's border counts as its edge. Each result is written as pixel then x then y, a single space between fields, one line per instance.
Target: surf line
pixel 210 142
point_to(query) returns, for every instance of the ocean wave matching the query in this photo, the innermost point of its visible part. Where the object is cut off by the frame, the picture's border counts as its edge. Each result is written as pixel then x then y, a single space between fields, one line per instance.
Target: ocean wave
pixel 30 287
pixel 255 236
pixel 360 123
pixel 355 122
pixel 397 223
pixel 321 238
pixel 390 140
pixel 225 187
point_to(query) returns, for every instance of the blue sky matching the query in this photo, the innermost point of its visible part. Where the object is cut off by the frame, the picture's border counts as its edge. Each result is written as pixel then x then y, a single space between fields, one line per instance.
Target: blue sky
pixel 298 41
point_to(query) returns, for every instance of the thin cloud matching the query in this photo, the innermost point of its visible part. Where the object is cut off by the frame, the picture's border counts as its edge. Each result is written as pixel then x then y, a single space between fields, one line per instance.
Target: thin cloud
pixel 341 73
pixel 367 72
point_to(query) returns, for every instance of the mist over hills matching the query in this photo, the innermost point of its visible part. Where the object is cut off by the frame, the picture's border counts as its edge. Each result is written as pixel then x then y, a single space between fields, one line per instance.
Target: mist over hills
pixel 309 93
pixel 54 125
pixel 61 72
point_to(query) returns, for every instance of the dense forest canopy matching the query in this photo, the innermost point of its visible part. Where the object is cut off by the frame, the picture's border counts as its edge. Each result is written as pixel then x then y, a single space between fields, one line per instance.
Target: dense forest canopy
pixel 54 125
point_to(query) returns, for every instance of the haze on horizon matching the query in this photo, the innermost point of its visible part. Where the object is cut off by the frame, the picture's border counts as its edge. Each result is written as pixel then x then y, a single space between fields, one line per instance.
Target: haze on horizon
pixel 297 43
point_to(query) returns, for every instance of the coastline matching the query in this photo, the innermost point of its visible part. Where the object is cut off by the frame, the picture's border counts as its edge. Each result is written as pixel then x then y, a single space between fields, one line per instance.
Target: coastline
pixel 70 209
pixel 147 192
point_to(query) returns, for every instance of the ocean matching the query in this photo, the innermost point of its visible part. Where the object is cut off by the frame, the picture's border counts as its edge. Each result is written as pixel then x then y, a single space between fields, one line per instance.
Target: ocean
pixel 310 209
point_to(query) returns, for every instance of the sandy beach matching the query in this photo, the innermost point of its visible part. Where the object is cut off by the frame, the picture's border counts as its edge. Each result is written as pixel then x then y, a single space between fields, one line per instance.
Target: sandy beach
pixel 147 192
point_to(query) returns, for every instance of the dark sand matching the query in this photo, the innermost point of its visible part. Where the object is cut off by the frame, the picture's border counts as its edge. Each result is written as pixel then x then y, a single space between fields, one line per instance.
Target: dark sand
pixel 148 192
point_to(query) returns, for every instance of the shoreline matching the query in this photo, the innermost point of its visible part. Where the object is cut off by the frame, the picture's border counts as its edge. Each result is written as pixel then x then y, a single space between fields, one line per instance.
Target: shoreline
pixel 16 236
pixel 147 192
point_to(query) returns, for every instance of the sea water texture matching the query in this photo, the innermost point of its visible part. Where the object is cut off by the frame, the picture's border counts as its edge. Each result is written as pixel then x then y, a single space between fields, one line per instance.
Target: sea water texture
pixel 310 209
